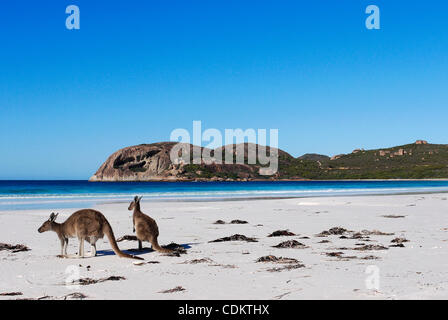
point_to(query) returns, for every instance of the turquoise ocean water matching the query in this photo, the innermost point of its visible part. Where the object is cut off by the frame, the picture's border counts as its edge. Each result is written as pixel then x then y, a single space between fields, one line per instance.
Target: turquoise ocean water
pixel 23 195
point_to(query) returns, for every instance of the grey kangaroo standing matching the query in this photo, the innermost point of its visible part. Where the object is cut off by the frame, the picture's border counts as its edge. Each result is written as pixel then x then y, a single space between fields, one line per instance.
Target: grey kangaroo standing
pixel 87 224
pixel 145 227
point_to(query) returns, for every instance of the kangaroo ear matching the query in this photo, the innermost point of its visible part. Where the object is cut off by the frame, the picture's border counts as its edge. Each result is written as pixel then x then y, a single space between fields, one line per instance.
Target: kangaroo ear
pixel 55 216
pixel 140 198
pixel 52 217
pixel 136 199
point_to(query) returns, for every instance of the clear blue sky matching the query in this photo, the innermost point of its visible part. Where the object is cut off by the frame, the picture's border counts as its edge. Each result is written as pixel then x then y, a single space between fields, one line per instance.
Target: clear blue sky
pixel 136 70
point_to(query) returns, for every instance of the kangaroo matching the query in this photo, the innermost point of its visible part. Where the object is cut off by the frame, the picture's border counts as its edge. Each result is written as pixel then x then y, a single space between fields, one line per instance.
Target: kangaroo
pixel 145 227
pixel 87 224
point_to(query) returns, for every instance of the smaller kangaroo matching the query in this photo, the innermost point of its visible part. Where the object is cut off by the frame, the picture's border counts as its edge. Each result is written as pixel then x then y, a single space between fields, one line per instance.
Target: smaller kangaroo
pixel 87 224
pixel 145 227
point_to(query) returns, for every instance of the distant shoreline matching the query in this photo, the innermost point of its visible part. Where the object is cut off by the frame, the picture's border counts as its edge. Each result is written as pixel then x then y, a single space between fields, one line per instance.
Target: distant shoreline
pixel 187 200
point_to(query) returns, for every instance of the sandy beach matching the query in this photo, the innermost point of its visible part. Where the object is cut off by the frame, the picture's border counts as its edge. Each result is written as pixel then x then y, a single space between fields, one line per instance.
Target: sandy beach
pixel 360 259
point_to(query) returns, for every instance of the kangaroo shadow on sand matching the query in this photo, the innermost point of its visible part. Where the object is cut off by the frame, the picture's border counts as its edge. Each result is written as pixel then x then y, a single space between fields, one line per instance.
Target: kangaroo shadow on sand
pixel 179 248
pixel 103 253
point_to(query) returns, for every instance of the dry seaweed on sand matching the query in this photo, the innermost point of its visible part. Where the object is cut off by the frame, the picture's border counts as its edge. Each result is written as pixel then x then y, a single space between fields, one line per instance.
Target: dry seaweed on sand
pixel 392 216
pixel 176 289
pixel 370 257
pixel 356 236
pixel 371 247
pixel 339 255
pixel 238 222
pixel 13 248
pixel 324 241
pixel 291 244
pixel 176 247
pixel 38 298
pixel 334 254
pixel 219 222
pixel 376 233
pixel 196 261
pixel 225 266
pixel 332 231
pixel 75 295
pixel 359 235
pixel 235 237
pixel 344 233
pixel 177 250
pixel 275 259
pixel 10 294
pixel 346 258
pixel 127 237
pixel 287 267
pixel 399 240
pixel 364 234
pixel 280 233
pixel 88 281
pixel 337 230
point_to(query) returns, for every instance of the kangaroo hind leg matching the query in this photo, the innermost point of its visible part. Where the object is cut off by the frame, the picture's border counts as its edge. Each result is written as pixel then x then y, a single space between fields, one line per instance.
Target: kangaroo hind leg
pixel 140 245
pixel 65 247
pixel 81 248
pixel 93 246
pixel 62 247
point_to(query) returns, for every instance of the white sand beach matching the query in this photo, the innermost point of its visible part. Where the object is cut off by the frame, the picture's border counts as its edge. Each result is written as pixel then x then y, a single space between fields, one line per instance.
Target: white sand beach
pixel 229 269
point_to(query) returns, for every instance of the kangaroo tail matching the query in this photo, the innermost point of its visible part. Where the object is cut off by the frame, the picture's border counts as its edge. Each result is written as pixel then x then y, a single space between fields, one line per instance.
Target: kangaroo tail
pixel 110 235
pixel 156 246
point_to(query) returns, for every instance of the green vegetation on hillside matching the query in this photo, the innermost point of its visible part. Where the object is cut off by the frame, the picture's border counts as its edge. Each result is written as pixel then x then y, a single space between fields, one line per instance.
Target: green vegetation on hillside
pixel 412 161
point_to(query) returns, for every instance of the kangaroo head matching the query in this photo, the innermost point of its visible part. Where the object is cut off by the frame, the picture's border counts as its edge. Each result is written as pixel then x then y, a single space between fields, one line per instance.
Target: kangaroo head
pixel 48 225
pixel 135 202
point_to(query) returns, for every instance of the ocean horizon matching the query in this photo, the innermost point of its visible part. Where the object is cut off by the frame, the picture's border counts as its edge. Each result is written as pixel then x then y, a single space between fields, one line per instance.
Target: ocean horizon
pixel 58 194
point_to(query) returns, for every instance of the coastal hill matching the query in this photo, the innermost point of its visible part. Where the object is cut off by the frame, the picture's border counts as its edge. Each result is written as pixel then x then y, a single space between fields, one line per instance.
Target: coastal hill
pixel 151 162
pixel 419 160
